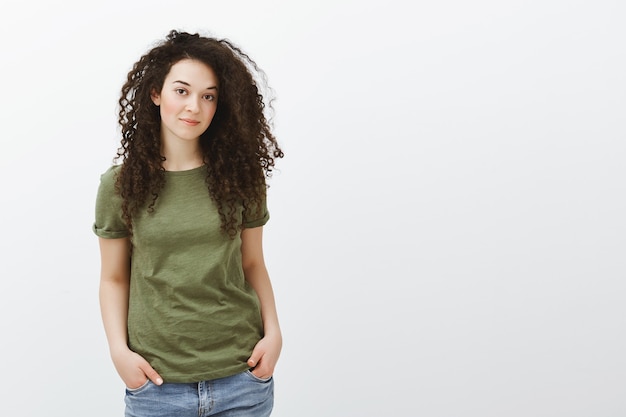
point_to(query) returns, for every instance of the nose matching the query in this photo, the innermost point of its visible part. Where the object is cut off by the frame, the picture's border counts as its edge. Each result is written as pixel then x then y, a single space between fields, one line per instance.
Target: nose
pixel 193 104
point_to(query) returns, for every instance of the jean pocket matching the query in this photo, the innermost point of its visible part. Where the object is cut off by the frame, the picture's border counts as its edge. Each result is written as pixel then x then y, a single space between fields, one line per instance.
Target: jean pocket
pixel 256 378
pixel 139 388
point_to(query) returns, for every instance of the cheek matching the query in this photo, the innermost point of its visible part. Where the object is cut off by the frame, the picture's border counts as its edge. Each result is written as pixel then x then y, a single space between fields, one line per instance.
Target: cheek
pixel 212 111
pixel 168 108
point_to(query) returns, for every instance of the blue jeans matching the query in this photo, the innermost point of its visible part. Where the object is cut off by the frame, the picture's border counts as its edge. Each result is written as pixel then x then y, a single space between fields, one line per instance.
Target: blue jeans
pixel 241 395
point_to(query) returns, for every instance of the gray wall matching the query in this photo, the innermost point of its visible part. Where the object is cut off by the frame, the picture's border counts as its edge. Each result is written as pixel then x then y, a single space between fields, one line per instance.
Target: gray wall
pixel 447 233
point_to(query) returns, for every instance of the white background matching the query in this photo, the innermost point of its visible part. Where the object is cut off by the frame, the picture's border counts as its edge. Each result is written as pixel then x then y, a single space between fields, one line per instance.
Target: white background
pixel 447 233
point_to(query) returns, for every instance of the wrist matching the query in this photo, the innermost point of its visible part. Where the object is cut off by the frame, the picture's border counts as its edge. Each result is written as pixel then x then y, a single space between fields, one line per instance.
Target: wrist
pixel 272 332
pixel 118 348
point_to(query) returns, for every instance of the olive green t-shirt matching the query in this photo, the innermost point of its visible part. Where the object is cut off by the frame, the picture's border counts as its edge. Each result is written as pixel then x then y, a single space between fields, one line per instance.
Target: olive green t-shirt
pixel 191 314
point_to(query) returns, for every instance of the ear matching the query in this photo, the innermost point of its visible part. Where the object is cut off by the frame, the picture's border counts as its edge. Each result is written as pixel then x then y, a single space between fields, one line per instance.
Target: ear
pixel 156 97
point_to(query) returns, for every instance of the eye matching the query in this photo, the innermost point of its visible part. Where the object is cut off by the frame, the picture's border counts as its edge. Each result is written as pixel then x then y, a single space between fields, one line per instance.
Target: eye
pixel 180 91
pixel 209 97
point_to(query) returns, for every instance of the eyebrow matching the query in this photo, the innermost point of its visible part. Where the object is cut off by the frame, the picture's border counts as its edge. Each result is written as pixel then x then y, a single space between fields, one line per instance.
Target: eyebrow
pixel 189 85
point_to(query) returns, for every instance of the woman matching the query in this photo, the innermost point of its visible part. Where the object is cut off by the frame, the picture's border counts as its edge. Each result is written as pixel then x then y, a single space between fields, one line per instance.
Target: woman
pixel 186 300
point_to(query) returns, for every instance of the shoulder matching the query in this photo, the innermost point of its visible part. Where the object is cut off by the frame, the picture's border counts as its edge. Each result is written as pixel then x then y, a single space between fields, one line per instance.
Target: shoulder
pixel 108 178
pixel 109 223
pixel 111 173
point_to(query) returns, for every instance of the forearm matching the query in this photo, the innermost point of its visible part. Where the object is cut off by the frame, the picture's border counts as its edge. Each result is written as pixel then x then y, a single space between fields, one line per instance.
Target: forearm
pixel 266 352
pixel 114 292
pixel 258 278
pixel 114 310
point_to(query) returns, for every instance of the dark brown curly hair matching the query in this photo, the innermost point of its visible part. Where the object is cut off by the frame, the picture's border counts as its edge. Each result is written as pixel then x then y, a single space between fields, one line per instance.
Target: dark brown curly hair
pixel 239 148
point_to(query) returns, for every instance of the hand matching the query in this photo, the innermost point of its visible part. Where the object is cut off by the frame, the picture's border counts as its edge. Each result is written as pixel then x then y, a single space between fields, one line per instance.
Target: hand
pixel 134 369
pixel 265 355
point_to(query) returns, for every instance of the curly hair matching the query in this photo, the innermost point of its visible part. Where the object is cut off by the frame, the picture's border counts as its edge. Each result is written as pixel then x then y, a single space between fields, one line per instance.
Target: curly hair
pixel 238 147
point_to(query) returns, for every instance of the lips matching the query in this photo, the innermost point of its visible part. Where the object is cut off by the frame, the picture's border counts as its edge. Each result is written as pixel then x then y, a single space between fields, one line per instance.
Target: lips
pixel 190 122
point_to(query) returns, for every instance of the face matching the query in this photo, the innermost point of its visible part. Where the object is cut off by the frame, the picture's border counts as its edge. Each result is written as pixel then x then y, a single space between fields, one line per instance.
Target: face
pixel 187 101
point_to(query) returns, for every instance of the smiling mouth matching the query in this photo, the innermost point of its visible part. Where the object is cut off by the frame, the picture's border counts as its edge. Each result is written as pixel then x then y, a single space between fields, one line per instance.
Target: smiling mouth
pixel 190 122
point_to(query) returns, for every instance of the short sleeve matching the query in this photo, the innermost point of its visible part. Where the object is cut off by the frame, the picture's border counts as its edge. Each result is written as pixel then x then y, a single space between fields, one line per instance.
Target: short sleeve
pixel 256 215
pixel 109 223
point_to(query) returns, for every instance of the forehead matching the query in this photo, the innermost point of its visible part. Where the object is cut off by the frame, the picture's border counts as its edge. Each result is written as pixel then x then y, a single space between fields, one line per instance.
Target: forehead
pixel 195 73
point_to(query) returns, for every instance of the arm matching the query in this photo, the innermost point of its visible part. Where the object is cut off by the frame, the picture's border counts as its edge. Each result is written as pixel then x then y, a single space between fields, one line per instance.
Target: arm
pixel 266 352
pixel 114 290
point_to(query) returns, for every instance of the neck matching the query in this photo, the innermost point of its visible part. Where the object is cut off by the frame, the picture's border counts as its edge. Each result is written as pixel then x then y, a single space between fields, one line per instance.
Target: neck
pixel 181 156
